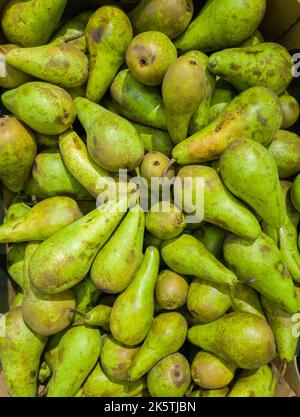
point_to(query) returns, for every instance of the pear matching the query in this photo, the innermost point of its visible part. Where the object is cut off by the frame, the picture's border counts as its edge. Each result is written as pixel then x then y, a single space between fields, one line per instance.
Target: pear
pixel 259 265
pixel 46 141
pixel 45 314
pixel 44 373
pixel 13 78
pixel 113 143
pixel 210 393
pixel 244 160
pixel 31 23
pixel 170 377
pixel 150 240
pixel 45 219
pixel 33 191
pixel 65 258
pixel 255 39
pixel 117 262
pixel 266 65
pixel 133 310
pixel 78 351
pixel 290 109
pixel 138 102
pixel 15 262
pixel 254 114
pixel 86 295
pixel 285 150
pixel 44 107
pixel 166 336
pixel 149 56
pixel 60 64
pixel 220 206
pixel 260 382
pixel 51 355
pixel 210 371
pixel 242 339
pixel 212 237
pixel 20 353
pixel 17 301
pixel 207 301
pixel 108 36
pixel 170 17
pixel 156 165
pixel 212 28
pixel 186 255
pixel 171 290
pixel 246 299
pixel 221 97
pixel 165 220
pixel 17 153
pixel 99 316
pixel 16 210
pixel 155 140
pixel 295 193
pixel 182 99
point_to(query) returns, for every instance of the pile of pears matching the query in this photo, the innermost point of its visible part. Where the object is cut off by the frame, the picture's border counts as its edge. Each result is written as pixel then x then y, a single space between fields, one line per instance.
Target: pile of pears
pixel 112 300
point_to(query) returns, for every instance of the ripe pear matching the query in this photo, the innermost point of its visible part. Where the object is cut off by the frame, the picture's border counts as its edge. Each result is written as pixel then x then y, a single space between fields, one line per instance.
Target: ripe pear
pixel 99 316
pixel 46 141
pixel 155 165
pixel 165 220
pixel 117 262
pixel 244 160
pixel 285 150
pixel 86 295
pixel 246 299
pixel 212 237
pixel 46 108
pixel 295 193
pixel 108 36
pixel 221 97
pixel 290 109
pixel 17 153
pixel 166 336
pixel 133 310
pixel 155 140
pixel 16 211
pixel 242 339
pixel 13 77
pixel 171 290
pixel 17 301
pixel 31 23
pixel 255 39
pixel 15 262
pixel 112 141
pixel 260 382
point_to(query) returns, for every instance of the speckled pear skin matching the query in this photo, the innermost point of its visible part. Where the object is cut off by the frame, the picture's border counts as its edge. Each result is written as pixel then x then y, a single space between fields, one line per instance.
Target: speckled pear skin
pixel 171 290
pixel 138 102
pixel 246 299
pixel 170 377
pixel 45 219
pixel 13 77
pixel 65 258
pixel 245 160
pixel 112 141
pixel 45 314
pixel 117 262
pixel 266 65
pixel 18 150
pixel 46 108
pixel 212 237
pixel 86 295
pixel 186 255
pixel 99 316
pixel 220 206
pixel 31 23
pixel 212 28
pixel 285 150
pixel 155 140
pixel 253 261
pixel 17 301
pixel 165 221
pixel 257 383
pixel 221 98
pixel 290 109
pixel 78 352
pixel 15 262
pixel 166 336
pixel 133 310
pixel 170 17
pixel 108 36
pixel 60 64
pixel 243 339
pixel 254 114
pixel 255 39
pixel 20 353
pixel 16 210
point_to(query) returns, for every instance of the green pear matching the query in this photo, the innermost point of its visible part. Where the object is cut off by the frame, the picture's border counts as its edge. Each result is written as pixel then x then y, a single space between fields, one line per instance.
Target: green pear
pixel 165 220
pixel 155 139
pixel 259 264
pixel 44 373
pixel 17 301
pixel 45 314
pixel 290 109
pixel 133 310
pixel 86 206
pixel 20 354
pixel 210 371
pixel 46 108
pixel 150 240
pixel 295 193
pixel 60 64
pixel 242 339
pixel 46 141
pixel 65 258
pixel 170 377
pixel 171 290
pixel 108 36
pixel 33 191
pixel 13 77
pixel 265 65
pixel 207 301
pixel 15 262
pixel 149 56
pixel 221 97
pixel 112 141
pixel 16 211
pixel 246 299
pixel 285 150
pixel 86 295
pixel 138 102
pixel 78 351
pixel 170 17
pixel 51 352
pixel 99 316
pixel 45 219
pixel 260 382
pixel 17 153
pixel 220 206
pixel 166 336
pixel 98 384
pixel 31 23
pixel 156 165
pixel 212 237
pixel 117 262
pixel 255 39
pixel 182 99
pixel 210 393
pixel 212 28
pixel 186 255
pixel 254 114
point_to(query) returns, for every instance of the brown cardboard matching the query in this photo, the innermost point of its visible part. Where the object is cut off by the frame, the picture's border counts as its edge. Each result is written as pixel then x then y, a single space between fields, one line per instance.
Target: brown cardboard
pixel 281 15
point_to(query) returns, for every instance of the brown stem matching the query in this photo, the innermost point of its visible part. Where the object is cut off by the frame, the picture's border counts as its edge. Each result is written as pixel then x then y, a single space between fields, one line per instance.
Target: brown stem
pixel 282 372
pixel 74 37
pixel 166 170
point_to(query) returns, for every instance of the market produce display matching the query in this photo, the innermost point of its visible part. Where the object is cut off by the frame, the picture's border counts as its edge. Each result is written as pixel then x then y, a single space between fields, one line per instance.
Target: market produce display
pixel 151 184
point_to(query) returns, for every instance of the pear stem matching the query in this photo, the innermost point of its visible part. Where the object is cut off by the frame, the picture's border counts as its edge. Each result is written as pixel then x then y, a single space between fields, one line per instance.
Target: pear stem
pixel 282 372
pixel 72 310
pixel 74 37
pixel 166 170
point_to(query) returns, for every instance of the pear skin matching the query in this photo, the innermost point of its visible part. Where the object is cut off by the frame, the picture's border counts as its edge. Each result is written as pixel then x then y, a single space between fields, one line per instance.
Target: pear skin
pixel 290 109
pixel 99 316
pixel 15 212
pixel 212 237
pixel 209 393
pixel 246 299
pixel 15 262
pixel 171 290
pixel 165 220
pixel 285 150
pixel 13 78
pixel 221 97
pixel 260 382
pixel 255 39
pixel 86 295
pixel 155 140
pixel 17 301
